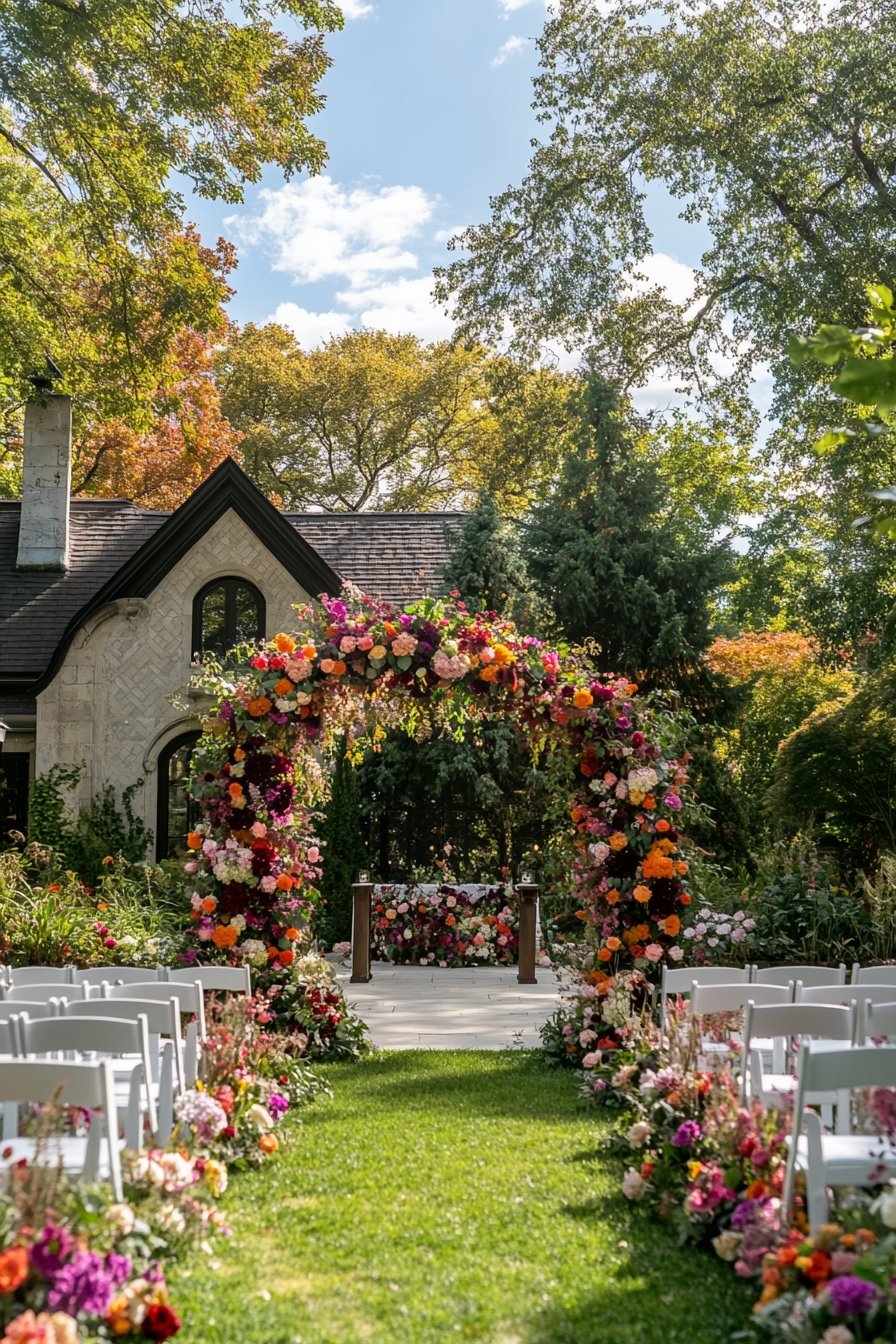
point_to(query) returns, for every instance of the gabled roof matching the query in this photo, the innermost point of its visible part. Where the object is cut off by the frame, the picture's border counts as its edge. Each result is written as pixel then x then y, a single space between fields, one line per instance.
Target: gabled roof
pixel 120 550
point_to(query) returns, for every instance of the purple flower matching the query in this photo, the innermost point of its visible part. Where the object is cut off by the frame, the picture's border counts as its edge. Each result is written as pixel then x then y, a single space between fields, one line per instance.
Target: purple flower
pixel 52 1248
pixel 83 1285
pixel 745 1213
pixel 672 800
pixel 277 1105
pixel 850 1296
pixel 119 1266
pixel 688 1132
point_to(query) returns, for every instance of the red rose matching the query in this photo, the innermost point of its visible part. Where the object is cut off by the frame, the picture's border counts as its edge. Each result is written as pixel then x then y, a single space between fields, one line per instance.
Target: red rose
pixel 160 1322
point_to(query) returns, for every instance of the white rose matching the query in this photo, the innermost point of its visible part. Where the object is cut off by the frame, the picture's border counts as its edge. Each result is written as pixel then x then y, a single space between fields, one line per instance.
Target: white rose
pixel 638 1134
pixel 633 1184
pixel 260 1117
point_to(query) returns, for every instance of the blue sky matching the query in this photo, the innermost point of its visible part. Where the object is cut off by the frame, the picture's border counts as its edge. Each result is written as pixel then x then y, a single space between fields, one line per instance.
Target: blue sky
pixel 428 114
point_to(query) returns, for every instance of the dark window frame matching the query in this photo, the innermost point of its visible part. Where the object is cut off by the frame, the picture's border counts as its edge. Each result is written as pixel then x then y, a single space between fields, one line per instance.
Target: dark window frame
pixel 231 586
pixel 163 790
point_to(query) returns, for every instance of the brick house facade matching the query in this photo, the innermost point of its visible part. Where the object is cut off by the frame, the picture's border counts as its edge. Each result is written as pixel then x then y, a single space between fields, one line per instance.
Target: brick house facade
pixel 102 605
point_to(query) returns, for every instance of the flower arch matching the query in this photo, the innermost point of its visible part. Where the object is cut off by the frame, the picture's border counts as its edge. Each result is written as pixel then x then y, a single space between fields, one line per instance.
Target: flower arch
pixel 360 666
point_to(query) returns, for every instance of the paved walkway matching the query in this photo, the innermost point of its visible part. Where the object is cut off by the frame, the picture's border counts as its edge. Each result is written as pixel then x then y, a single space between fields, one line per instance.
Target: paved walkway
pixel 421 1007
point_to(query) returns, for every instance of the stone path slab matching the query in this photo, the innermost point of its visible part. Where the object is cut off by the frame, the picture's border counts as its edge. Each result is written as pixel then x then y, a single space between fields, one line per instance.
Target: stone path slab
pixel 421 1007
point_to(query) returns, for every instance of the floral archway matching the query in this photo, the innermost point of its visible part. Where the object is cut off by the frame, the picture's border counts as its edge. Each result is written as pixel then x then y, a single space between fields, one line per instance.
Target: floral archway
pixel 360 667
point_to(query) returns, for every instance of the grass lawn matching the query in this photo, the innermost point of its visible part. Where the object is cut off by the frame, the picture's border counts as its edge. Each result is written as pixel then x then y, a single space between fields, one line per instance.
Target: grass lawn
pixel 450 1196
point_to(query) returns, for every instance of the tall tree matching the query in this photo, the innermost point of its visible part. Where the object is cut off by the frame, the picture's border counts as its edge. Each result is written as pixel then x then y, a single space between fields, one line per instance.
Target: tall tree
pixel 486 567
pixel 106 103
pixel 771 122
pixel 374 420
pixel 605 553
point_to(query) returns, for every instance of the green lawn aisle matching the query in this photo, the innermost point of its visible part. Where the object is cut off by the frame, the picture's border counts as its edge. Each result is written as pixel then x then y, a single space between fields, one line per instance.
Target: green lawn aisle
pixel 456 1195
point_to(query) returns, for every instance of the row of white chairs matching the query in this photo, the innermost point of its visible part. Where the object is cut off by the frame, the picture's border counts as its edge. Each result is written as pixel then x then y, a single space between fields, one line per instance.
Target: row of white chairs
pixel 677 980
pixel 118 1049
pixel 228 979
pixel 811 1047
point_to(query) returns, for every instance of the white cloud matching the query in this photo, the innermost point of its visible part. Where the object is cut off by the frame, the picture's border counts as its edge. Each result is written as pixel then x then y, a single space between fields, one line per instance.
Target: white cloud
pixel 355 9
pixel 667 273
pixel 509 7
pixel 311 328
pixel 512 47
pixel 320 230
pixel 400 306
pixel 445 235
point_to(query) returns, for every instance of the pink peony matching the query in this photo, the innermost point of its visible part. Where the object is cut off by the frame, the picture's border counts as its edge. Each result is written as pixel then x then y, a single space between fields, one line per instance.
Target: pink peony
pixel 653 952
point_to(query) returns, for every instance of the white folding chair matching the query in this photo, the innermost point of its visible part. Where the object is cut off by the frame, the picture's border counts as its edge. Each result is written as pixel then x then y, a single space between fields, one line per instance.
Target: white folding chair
pixel 10 1008
pixel 167 1071
pixel 872 975
pixel 86 1086
pixel 806 975
pixel 42 991
pixel 107 1037
pixel 727 998
pixel 190 1000
pixel 677 981
pixel 856 1159
pixel 876 1022
pixel 38 975
pixel 218 979
pixel 116 975
pixel 9 1037
pixel 844 993
pixel 777 1029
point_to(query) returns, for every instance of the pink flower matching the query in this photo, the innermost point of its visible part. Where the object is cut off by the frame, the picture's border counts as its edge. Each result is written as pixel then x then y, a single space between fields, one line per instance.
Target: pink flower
pixel 259 829
pixel 348 644
pixel 590 1061
pixel 313 854
pixel 403 645
pixel 653 952
pixel 365 643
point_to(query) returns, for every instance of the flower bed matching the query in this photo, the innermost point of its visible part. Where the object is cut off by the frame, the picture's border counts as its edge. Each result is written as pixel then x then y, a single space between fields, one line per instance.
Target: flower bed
pixel 444 926
pixel 714 1169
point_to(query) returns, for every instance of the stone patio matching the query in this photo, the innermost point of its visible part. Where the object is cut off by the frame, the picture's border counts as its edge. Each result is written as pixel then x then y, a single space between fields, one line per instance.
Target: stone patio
pixel 419 1007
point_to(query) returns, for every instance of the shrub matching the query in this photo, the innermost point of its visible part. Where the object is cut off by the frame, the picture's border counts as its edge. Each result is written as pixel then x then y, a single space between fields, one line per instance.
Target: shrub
pixel 100 829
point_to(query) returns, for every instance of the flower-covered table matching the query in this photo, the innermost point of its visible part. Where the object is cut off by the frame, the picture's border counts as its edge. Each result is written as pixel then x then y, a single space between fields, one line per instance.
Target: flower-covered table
pixel 425 924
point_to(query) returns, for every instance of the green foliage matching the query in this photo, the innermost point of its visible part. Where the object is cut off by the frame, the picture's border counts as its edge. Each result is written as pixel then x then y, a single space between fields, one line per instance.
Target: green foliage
pixel 101 830
pixel 106 105
pixel 49 917
pixel 487 569
pixel 835 773
pixel 752 116
pixel 481 798
pixel 803 911
pixel 344 851
pixel 606 555
pixel 377 420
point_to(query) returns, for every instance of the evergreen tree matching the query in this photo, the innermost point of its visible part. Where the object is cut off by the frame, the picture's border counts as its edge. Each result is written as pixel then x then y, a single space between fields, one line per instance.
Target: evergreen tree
pixel 604 551
pixel 344 851
pixel 488 570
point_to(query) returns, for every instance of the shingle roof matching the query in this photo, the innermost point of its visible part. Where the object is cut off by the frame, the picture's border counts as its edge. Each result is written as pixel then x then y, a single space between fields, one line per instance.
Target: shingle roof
pixel 396 556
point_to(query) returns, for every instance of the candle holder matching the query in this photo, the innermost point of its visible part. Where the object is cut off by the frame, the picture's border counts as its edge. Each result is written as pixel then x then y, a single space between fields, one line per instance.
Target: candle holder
pixel 527 879
pixel 363 875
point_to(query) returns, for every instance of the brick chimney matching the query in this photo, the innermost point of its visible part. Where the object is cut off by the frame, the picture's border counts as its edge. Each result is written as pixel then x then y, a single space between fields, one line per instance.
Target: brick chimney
pixel 46 483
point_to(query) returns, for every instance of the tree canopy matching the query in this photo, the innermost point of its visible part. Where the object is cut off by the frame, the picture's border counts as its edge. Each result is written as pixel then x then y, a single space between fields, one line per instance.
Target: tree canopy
pixel 771 123
pixel 108 106
pixel 604 551
pixel 375 420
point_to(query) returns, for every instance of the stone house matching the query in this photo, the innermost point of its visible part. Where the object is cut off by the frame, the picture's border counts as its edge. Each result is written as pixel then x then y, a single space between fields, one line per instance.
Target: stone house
pixel 103 606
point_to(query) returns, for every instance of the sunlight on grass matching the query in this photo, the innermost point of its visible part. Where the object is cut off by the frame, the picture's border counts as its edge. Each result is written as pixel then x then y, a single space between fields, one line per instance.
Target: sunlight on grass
pixel 451 1196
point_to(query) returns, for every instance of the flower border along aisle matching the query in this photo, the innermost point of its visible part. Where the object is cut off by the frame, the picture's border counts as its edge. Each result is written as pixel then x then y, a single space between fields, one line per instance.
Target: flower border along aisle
pixel 358 667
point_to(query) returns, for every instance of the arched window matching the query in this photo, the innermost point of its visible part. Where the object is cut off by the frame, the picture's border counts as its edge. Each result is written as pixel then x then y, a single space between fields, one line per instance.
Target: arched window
pixel 226 612
pixel 176 812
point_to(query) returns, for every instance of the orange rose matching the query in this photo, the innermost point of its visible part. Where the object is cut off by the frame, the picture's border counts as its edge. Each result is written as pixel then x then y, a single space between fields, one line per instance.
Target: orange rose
pixel 285 882
pixel 224 935
pixel 671 926
pixel 681 868
pixel 194 841
pixel 268 1143
pixel 327 665
pixel 287 957
pixel 209 905
pixel 618 841
pixel 259 706
pixel 613 944
pixel 339 668
pixel 642 893
pixel 292 934
pixel 235 791
pixel 662 825
pixel 285 644
pixel 684 899
pixel 13 1268
pixel 283 687
pixel 308 652
pixel 583 699
pixel 604 954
